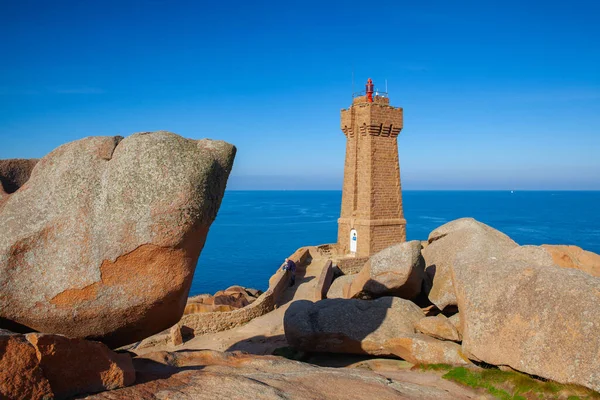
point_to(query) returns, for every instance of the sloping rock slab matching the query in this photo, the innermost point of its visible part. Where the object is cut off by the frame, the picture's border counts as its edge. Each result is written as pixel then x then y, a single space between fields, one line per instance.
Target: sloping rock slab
pixel 421 349
pixel 438 327
pixel 539 319
pixel 102 241
pixel 207 375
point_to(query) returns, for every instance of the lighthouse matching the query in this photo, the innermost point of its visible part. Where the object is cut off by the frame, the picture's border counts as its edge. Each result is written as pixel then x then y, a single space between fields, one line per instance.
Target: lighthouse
pixel 371 217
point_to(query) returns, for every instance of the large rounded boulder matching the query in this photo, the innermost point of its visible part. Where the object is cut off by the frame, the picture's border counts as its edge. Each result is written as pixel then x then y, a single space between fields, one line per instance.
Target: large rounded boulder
pixel 463 238
pixel 381 327
pixel 523 311
pixel 102 240
pixel 395 271
pixel 349 326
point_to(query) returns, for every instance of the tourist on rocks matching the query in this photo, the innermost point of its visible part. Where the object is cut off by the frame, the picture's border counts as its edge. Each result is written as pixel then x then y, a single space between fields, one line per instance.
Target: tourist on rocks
pixel 289 265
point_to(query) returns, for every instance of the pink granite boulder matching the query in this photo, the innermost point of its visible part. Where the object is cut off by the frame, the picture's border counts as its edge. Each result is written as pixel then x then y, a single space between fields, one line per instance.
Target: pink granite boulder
pixel 102 241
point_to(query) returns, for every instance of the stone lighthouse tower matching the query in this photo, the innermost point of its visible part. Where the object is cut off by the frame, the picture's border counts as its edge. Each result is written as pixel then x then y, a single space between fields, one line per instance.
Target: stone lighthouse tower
pixel 371 218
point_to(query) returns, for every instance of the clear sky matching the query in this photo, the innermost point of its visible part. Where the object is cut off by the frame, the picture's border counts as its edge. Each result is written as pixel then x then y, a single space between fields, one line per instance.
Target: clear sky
pixel 496 94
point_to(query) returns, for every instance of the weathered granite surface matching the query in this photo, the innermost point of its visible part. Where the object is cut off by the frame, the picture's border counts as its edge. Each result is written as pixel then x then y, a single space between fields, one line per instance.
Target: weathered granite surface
pixel 539 319
pixel 465 238
pixel 395 271
pixel 209 375
pixel 381 327
pixel 102 241
pixel 42 367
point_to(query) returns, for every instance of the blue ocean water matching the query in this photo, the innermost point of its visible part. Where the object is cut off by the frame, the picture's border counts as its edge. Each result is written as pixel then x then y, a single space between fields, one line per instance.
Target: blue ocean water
pixel 256 230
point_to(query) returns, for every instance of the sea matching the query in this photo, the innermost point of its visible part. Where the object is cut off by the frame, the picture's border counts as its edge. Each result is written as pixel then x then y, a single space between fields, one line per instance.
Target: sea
pixel 255 230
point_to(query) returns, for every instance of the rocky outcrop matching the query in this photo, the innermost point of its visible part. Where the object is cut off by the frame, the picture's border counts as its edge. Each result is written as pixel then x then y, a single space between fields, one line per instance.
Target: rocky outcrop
pixel 20 374
pixel 382 327
pixel 575 257
pixel 455 321
pixel 465 238
pixel 39 366
pixel 349 326
pixel 421 349
pixel 438 327
pixel 539 319
pixel 232 298
pixel 77 366
pixel 395 271
pixel 213 375
pixel 103 239
pixel 340 287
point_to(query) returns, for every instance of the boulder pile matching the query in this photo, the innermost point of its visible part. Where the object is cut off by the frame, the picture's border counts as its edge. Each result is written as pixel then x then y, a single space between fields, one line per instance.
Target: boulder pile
pixel 232 298
pixel 535 309
pixel 98 245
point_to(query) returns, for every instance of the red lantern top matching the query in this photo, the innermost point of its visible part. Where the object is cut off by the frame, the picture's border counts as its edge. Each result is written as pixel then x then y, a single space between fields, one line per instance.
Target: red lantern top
pixel 369 90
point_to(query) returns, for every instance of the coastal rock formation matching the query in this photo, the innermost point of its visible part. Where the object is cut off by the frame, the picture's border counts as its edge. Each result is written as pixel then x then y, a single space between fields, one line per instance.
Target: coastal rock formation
pixel 382 327
pixel 340 287
pixel 539 319
pixel 214 375
pixel 232 298
pixel 395 271
pixel 77 366
pixel 534 255
pixel 349 326
pixel 438 327
pixel 20 374
pixel 103 239
pixel 465 238
pixel 39 366
pixel 421 349
pixel 575 257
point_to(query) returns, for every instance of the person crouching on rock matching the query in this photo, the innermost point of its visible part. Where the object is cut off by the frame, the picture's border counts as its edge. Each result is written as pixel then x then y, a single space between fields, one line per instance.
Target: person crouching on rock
pixel 289 265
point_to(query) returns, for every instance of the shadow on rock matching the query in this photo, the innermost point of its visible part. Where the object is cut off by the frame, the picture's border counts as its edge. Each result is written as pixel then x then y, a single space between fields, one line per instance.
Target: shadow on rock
pixel 346 326
pixel 260 344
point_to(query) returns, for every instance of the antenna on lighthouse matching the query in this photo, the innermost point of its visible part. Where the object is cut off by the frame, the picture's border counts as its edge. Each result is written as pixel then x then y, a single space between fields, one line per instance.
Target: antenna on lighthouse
pixel 386 86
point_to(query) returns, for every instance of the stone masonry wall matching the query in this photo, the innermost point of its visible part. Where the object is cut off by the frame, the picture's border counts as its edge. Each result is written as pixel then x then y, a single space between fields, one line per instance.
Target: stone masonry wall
pixel 351 265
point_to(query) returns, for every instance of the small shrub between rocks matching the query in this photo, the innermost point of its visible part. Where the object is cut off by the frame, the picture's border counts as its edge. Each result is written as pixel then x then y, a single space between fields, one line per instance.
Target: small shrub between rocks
pixel 434 367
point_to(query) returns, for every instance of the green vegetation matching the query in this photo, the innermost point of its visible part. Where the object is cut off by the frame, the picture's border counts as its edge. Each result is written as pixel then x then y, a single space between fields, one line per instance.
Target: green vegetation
pixel 511 385
pixel 435 367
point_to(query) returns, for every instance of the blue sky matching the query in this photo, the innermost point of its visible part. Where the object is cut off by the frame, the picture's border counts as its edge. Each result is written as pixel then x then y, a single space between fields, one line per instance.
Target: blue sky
pixel 496 94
